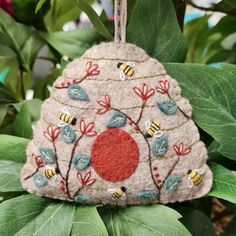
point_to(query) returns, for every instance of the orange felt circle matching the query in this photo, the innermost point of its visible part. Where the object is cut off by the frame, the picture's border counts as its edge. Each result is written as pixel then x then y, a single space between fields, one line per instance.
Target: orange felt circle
pixel 114 155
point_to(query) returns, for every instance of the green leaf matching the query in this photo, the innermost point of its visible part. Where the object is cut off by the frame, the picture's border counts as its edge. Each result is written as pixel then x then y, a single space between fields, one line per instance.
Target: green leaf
pixel 88 222
pixel 6 95
pixel 18 212
pixel 34 107
pixel 39 5
pixel 10 176
pixel 211 92
pixel 227 6
pixel 196 222
pixel 95 19
pixel 224 185
pixel 24 41
pixel 143 220
pixel 158 33
pixel 79 40
pixel 3 113
pixel 56 219
pixel 22 125
pixel 13 148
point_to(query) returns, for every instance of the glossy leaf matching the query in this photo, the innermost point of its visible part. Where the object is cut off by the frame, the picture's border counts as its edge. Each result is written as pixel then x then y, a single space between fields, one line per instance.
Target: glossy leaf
pixel 211 92
pixel 196 222
pixel 95 19
pixel 55 219
pixel 39 5
pixel 224 185
pixel 159 36
pixel 79 40
pixel 143 220
pixel 13 148
pixel 10 176
pixel 227 6
pixel 3 112
pixel 6 95
pixel 22 125
pixel 19 211
pixel 22 40
pixel 117 120
pixel 88 222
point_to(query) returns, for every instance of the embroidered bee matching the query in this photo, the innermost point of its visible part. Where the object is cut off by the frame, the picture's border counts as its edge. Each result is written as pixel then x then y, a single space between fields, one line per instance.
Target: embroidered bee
pixel 66 118
pixel 50 172
pixel 194 177
pixel 152 129
pixel 118 192
pixel 126 70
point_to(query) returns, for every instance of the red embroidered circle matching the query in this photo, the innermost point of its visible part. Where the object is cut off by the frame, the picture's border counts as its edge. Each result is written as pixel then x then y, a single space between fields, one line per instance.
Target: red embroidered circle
pixel 114 155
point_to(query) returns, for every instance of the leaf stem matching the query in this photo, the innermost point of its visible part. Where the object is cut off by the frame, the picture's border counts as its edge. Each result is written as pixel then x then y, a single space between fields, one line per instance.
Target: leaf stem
pixel 31 175
pixel 141 112
pixel 70 163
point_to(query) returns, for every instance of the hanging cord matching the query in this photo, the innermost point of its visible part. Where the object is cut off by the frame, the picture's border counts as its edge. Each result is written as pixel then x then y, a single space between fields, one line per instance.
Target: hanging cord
pixel 120 20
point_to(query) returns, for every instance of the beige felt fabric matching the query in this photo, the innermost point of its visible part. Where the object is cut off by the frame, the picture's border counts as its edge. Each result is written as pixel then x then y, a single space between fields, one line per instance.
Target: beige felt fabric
pixel 178 127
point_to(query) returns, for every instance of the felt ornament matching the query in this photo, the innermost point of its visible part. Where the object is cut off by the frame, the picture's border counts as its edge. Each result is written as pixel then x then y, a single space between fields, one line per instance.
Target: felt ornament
pixel 126 136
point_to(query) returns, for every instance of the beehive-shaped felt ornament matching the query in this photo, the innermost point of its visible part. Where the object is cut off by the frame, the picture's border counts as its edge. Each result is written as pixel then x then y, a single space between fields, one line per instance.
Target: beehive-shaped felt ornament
pixel 116 130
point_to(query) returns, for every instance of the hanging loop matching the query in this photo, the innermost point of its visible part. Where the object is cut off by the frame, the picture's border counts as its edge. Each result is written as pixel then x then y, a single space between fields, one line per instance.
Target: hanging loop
pixel 120 20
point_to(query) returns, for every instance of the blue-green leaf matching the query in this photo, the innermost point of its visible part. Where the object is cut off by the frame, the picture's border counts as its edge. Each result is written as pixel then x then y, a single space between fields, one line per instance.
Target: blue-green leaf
pixel 81 161
pixel 40 180
pixel 168 107
pixel 75 92
pixel 117 120
pixel 160 145
pixel 80 198
pixel 148 194
pixel 48 155
pixel 68 134
pixel 171 183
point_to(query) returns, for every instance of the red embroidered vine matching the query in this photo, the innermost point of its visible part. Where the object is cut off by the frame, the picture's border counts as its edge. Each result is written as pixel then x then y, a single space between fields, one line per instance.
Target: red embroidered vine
pixel 91 70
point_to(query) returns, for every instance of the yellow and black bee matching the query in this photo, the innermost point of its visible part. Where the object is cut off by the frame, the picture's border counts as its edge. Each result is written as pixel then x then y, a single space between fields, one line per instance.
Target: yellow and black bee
pixel 66 118
pixel 118 192
pixel 194 177
pixel 152 129
pixel 51 172
pixel 126 69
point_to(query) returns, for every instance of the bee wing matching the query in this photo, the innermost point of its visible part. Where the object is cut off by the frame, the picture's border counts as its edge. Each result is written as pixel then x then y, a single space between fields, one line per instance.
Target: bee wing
pixel 123 197
pixel 200 171
pixel 158 134
pixel 62 124
pixel 131 64
pixel 122 76
pixel 54 178
pixel 147 124
pixel 111 190
pixel 190 183
pixel 64 109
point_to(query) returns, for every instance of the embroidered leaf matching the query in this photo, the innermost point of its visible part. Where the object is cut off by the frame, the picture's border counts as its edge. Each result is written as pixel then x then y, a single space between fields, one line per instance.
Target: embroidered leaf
pixel 148 194
pixel 224 185
pixel 10 176
pixel 40 180
pixel 160 145
pixel 80 198
pixel 68 134
pixel 118 120
pixel 169 107
pixel 171 183
pixel 47 155
pixel 88 222
pixel 75 92
pixel 81 161
pixel 143 220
